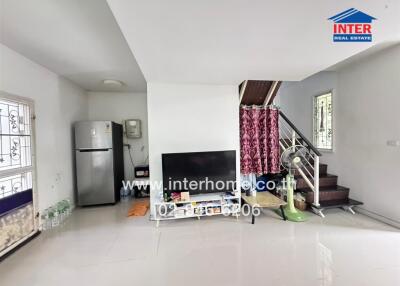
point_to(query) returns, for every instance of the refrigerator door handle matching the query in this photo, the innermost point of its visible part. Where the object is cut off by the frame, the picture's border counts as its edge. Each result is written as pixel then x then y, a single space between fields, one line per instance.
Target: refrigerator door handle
pixel 94 150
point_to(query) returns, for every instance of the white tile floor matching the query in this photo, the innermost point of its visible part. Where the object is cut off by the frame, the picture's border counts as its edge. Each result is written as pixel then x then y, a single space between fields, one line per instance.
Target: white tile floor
pixel 101 246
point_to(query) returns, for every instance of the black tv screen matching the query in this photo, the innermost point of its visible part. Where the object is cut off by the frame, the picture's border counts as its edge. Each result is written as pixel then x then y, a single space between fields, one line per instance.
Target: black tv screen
pixel 204 172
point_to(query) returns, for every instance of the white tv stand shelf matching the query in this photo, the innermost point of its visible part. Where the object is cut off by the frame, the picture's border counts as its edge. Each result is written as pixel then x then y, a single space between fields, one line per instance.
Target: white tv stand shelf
pixel 199 206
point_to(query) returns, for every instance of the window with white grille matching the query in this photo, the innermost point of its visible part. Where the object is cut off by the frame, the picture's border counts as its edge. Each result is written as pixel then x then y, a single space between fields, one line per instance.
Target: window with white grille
pixel 15 147
pixel 323 121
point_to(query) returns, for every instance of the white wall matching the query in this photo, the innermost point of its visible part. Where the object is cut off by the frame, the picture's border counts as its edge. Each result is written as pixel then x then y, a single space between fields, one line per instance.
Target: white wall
pixel 187 118
pixel 296 101
pixel 58 103
pixel 118 107
pixel 296 98
pixel 366 108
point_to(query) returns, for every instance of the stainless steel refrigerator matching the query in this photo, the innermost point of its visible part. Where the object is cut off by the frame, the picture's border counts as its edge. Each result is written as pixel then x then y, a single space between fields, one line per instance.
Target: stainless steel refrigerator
pixel 99 162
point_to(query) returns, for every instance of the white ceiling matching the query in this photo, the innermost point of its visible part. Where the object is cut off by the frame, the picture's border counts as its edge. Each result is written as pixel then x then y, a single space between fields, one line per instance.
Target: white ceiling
pixel 363 55
pixel 186 41
pixel 78 39
pixel 227 41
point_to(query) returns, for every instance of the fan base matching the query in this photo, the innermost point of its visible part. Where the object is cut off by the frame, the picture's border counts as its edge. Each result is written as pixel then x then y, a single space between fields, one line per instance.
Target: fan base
pixel 294 215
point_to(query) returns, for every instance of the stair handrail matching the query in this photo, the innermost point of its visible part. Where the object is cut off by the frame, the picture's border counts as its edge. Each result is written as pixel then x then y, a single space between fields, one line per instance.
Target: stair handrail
pixel 315 177
pixel 304 138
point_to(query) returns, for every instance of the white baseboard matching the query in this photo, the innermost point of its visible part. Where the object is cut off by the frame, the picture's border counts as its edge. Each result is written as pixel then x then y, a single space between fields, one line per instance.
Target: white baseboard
pixel 379 217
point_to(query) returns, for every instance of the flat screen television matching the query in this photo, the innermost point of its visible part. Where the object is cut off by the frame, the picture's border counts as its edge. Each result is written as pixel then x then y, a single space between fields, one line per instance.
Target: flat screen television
pixel 204 172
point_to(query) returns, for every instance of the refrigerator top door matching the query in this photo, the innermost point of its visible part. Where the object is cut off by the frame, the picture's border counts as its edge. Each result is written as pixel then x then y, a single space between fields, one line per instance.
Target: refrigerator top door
pixel 93 135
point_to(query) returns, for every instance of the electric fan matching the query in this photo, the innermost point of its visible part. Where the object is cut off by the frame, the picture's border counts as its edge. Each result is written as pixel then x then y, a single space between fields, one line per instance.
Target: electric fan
pixel 292 158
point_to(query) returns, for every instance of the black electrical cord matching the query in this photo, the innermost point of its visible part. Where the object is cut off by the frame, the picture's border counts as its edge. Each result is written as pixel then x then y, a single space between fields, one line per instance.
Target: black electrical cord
pixel 130 156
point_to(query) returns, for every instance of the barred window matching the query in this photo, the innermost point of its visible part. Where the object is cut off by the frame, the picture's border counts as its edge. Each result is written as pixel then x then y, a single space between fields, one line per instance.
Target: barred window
pixel 323 121
pixel 15 147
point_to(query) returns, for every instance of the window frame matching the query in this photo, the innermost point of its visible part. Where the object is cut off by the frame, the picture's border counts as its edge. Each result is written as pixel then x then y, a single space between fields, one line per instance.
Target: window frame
pixel 314 100
pixel 33 168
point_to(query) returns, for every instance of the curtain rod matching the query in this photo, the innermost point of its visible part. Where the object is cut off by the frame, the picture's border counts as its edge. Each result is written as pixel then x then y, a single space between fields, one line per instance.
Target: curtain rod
pixel 272 106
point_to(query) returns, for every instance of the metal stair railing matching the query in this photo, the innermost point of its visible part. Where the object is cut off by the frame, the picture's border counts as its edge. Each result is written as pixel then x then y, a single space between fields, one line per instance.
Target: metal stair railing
pixel 289 135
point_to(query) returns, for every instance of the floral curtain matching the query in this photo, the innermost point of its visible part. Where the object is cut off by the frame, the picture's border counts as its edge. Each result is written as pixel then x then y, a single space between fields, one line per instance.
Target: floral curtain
pixel 259 141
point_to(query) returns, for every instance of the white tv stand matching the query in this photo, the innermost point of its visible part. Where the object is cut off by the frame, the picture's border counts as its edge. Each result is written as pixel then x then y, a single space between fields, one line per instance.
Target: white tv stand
pixel 199 206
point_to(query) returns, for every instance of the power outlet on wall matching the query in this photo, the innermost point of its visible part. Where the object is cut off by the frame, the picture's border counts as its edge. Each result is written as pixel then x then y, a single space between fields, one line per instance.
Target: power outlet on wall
pixel 393 143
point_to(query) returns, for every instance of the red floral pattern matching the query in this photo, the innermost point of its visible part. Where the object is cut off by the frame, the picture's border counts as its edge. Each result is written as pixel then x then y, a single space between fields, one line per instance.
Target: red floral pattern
pixel 259 141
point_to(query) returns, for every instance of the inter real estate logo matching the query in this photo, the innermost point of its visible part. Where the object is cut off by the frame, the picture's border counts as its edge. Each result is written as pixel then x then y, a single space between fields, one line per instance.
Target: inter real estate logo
pixel 352 26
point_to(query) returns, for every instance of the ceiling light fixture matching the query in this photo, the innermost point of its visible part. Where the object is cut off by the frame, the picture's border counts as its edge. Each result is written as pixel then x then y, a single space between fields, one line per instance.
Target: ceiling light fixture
pixel 113 82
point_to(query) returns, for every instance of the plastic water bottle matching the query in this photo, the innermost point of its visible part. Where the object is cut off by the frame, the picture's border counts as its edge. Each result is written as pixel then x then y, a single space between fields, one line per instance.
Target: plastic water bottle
pixel 43 221
pixel 66 208
pixel 50 216
pixel 69 206
pixel 53 216
pixel 56 219
pixel 60 212
pixel 122 193
pixel 46 225
pixel 56 215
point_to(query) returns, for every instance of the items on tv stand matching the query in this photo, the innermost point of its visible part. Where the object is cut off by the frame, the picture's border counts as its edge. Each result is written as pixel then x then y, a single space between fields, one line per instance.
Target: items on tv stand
pixel 200 205
pixel 210 175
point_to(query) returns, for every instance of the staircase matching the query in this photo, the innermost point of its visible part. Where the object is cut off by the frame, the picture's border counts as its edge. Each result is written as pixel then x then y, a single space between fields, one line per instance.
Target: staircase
pixel 313 180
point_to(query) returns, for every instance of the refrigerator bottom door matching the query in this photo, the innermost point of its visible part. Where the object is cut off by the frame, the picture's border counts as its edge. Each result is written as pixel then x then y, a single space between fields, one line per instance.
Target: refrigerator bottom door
pixel 95 177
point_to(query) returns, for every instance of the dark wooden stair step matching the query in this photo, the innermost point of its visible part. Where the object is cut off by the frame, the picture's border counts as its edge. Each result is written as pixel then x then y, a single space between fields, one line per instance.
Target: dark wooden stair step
pixel 326 180
pixel 339 203
pixel 331 193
